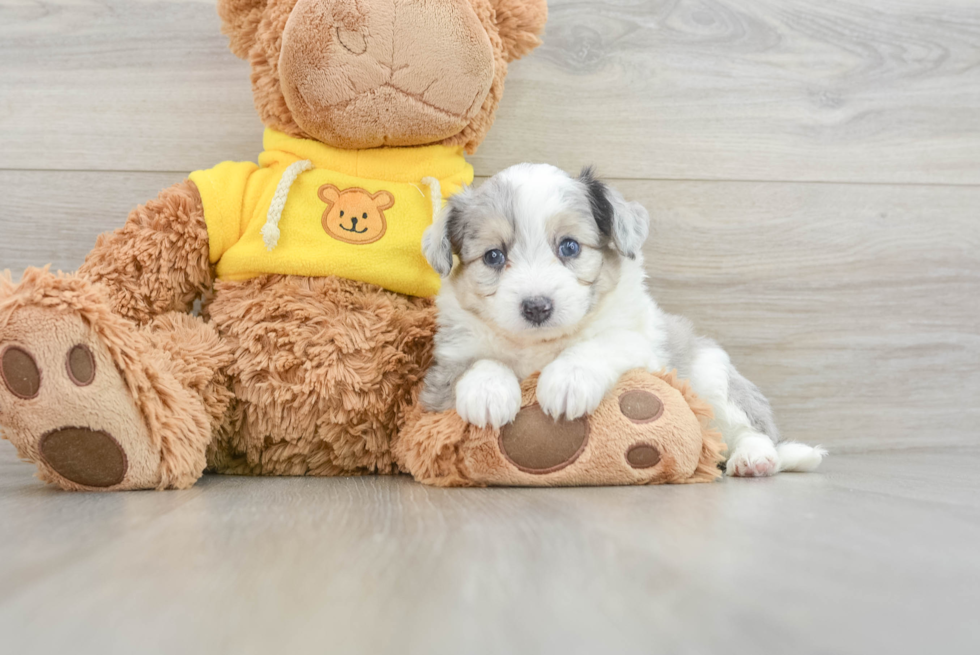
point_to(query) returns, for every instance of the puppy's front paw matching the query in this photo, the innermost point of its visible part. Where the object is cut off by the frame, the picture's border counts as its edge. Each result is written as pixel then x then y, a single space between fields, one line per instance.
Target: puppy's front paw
pixel 570 390
pixel 754 457
pixel 488 394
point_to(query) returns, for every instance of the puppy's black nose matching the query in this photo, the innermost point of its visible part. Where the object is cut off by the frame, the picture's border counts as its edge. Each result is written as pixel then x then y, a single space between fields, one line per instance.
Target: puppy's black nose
pixel 537 310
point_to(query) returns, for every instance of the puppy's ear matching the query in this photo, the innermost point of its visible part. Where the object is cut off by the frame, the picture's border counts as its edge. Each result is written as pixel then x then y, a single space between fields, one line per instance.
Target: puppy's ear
pixel 436 244
pixel 626 223
pixel 631 225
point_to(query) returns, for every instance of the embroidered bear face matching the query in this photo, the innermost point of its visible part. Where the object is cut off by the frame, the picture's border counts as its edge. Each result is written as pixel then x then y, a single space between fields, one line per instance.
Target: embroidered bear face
pixel 355 215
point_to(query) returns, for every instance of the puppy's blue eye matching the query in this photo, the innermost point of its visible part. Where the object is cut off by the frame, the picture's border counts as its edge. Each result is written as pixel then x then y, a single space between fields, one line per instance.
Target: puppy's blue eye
pixel 569 248
pixel 494 258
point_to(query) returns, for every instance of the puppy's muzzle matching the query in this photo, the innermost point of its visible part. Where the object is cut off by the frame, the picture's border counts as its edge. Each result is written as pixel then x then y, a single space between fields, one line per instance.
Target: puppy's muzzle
pixel 537 310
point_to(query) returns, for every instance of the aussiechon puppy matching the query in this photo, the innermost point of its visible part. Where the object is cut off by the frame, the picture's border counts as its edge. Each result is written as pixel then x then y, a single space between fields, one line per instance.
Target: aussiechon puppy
pixel 548 276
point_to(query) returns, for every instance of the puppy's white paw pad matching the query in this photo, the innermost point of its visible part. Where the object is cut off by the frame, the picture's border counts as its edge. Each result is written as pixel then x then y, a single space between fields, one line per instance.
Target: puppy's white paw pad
pixel 747 469
pixel 755 457
pixel 489 394
pixel 568 390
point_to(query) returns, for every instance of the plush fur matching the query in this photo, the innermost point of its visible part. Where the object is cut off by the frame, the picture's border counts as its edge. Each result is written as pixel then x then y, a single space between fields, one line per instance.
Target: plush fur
pixel 323 372
pixel 278 375
pixel 160 402
pixel 550 278
pixel 289 375
pixel 158 261
pixel 256 28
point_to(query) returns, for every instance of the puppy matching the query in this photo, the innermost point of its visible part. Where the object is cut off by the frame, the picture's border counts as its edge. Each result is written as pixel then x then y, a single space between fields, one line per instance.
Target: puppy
pixel 550 278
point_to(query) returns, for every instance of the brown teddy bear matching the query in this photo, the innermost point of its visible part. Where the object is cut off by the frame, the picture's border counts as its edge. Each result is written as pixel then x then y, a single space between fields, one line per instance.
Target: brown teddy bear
pixel 317 319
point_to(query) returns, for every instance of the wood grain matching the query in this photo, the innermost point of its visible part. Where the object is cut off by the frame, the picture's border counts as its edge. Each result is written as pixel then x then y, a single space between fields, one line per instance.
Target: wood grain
pixel 875 554
pixel 863 90
pixel 849 90
pixel 813 174
pixel 54 217
pixel 854 307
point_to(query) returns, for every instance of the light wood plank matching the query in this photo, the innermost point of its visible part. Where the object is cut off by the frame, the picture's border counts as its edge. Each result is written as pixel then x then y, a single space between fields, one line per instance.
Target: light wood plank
pixel 55 217
pixel 854 307
pixel 851 90
pixel 121 85
pixel 873 554
pixel 845 90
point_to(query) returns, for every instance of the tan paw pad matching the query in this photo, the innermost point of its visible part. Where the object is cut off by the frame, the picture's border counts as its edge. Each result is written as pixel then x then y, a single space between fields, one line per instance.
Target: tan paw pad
pixel 640 406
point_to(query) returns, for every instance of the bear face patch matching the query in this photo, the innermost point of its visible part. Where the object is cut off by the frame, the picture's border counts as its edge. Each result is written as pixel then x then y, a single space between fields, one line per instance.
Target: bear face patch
pixel 354 215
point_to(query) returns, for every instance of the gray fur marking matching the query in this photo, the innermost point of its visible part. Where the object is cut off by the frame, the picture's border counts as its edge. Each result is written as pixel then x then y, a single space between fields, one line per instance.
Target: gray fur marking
pixel 439 388
pixel 745 395
pixel 683 345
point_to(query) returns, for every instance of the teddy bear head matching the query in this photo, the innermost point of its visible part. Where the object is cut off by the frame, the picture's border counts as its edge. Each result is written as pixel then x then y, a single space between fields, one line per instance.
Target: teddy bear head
pixel 370 73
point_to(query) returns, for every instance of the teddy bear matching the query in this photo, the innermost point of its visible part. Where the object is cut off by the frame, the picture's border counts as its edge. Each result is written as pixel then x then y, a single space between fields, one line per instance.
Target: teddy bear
pixel 315 314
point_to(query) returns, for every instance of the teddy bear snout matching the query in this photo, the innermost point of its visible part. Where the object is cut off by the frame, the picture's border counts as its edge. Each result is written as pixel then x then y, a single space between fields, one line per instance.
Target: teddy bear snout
pixel 392 72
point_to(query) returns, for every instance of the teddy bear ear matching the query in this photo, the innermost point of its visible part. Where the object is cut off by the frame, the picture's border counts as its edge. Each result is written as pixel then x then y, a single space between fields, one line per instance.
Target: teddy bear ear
pixel 383 200
pixel 239 22
pixel 520 22
pixel 329 194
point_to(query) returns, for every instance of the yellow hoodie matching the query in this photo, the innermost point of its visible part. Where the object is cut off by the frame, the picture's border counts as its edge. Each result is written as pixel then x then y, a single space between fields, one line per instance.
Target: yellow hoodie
pixel 312 210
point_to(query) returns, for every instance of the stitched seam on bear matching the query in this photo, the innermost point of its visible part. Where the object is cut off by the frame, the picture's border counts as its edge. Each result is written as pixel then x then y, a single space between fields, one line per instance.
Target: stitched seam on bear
pixel 346 103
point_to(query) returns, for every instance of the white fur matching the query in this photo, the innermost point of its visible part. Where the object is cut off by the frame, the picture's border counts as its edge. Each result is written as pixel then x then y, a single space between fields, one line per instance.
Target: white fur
pixel 794 456
pixel 488 394
pixel 754 455
pixel 582 350
pixel 598 352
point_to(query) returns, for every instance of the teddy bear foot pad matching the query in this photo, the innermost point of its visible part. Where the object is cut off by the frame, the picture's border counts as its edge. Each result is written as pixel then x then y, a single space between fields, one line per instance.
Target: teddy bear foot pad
pixel 76 386
pixel 650 429
pixel 536 443
pixel 91 458
pixel 65 406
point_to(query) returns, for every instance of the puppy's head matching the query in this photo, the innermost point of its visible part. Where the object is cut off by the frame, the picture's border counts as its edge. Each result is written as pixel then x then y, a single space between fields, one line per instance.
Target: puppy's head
pixel 537 248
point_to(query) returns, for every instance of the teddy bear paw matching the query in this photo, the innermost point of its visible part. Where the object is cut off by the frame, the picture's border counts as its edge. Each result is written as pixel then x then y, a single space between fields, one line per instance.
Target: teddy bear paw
pixel 65 406
pixel 85 398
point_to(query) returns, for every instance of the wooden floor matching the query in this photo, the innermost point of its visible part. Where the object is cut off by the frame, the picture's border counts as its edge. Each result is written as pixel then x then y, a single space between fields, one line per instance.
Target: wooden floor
pixel 876 554
pixel 813 170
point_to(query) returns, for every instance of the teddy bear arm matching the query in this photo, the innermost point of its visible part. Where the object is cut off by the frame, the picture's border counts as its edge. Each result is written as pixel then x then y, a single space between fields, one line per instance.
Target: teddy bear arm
pixel 158 261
